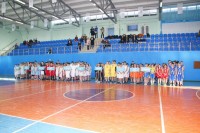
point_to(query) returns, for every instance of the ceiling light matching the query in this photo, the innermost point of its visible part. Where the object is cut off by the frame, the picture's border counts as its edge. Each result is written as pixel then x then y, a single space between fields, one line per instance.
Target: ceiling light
pixel 19 22
pixel 34 8
pixel 101 10
pixel 7 19
pixel 94 4
pixel 20 1
pixel 55 17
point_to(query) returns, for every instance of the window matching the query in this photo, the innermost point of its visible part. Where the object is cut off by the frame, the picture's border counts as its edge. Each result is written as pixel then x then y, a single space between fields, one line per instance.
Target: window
pixel 174 9
pixel 132 28
pixel 198 6
pixel 166 10
pixel 191 7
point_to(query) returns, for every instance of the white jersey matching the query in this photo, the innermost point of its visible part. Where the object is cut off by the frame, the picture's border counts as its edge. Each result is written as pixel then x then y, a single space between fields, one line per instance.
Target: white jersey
pixel 16 71
pixel 73 71
pixel 57 71
pixel 126 73
pixel 60 74
pixel 77 71
pixel 22 71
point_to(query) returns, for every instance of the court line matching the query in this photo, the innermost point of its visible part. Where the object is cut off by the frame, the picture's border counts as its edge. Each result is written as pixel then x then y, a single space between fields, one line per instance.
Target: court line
pixel 67 108
pixel 46 123
pixel 28 94
pixel 185 87
pixel 197 94
pixel 161 111
pixel 102 101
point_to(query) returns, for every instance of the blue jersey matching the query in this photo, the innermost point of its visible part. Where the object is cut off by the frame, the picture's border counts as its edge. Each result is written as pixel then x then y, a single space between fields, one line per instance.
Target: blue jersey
pixel 172 73
pixel 180 73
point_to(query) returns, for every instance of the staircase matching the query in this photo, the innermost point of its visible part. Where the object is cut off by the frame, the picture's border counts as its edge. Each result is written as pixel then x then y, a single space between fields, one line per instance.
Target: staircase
pixel 97 42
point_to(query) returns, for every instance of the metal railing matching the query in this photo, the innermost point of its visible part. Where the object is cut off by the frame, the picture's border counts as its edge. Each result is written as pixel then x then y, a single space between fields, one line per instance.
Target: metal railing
pixel 113 48
pixel 149 47
pixel 45 50
pixel 8 48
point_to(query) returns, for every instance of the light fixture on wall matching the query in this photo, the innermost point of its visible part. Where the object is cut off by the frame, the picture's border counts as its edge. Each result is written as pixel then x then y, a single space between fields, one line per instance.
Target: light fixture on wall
pixel 30 3
pixel 3 7
pixel 161 4
pixel 180 8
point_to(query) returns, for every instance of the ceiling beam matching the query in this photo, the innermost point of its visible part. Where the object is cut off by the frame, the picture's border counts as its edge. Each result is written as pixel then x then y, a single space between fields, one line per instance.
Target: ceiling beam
pixel 102 9
pixel 15 21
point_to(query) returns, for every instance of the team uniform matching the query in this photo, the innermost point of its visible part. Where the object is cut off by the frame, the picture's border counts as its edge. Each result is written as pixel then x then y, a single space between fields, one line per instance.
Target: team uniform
pixel 152 72
pixel 107 71
pixel 179 74
pixel 113 70
pixel 172 76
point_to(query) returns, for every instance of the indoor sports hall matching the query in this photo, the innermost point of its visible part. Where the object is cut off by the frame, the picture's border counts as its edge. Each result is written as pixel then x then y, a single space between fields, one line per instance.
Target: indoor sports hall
pixel 99 66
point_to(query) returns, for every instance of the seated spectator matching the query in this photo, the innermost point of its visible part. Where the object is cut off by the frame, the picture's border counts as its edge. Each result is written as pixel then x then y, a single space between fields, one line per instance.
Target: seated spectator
pixel 69 42
pixel 134 38
pixel 76 38
pixel 25 42
pixel 105 43
pixel 148 35
pixel 16 46
pixel 50 51
pixel 198 34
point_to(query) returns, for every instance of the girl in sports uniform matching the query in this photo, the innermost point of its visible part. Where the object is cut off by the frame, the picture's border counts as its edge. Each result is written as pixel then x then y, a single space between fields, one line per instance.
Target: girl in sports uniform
pixel 172 73
pixel 107 69
pixel 146 76
pixel 159 74
pixel 126 73
pixel 113 73
pixel 179 74
pixel 165 74
pixel 152 74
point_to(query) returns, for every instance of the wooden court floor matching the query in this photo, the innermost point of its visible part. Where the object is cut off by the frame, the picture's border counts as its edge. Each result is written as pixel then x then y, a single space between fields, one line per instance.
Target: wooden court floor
pixel 32 106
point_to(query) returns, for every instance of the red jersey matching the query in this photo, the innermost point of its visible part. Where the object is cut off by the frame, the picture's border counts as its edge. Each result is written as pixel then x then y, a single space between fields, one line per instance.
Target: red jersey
pixel 165 73
pixel 159 72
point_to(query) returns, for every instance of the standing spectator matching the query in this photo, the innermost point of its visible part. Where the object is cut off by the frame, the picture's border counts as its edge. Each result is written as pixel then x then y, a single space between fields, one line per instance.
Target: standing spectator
pixel 102 32
pixel 96 32
pixel 82 39
pixel 69 42
pixel 92 32
pixel 88 43
pixel 92 42
pixel 76 38
pixel 79 46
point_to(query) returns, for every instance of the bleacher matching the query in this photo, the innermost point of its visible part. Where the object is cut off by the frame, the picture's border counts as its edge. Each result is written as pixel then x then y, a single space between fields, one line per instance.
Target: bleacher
pixel 57 46
pixel 157 42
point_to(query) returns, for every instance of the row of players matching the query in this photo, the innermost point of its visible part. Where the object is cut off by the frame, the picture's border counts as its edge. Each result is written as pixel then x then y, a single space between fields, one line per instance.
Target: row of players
pixel 50 71
pixel 172 73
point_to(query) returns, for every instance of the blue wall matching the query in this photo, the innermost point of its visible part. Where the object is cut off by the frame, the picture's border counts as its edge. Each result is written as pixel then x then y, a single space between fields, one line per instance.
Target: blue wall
pixel 7 62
